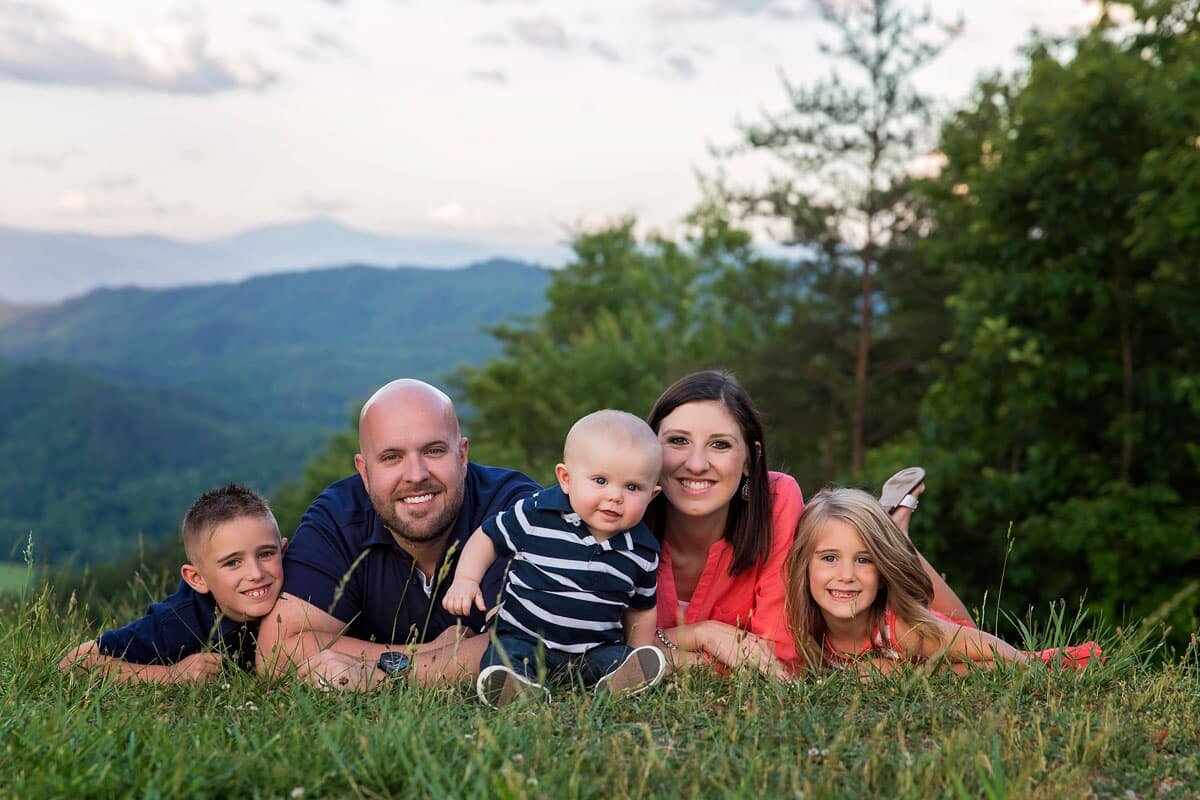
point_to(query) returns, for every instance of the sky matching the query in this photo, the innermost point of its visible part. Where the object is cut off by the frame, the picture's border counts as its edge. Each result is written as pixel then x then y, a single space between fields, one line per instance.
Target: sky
pixel 510 120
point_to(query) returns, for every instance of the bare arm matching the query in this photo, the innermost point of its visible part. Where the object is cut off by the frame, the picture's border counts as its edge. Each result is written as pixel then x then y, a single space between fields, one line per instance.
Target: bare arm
pixel 639 626
pixel 464 591
pixel 960 645
pixel 296 630
pixel 196 668
pixel 299 635
pixel 710 640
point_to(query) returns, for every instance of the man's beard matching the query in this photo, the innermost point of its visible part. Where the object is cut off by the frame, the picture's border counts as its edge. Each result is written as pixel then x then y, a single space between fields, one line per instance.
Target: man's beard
pixel 426 529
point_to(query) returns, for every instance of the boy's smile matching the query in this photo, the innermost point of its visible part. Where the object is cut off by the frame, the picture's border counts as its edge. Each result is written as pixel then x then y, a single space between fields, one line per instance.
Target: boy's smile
pixel 241 564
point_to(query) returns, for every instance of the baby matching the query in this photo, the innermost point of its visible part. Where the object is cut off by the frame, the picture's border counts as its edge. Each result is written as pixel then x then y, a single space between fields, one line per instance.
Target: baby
pixel 580 589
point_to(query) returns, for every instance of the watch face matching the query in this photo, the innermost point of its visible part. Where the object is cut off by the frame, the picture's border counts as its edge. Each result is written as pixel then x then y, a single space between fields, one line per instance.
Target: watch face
pixel 393 663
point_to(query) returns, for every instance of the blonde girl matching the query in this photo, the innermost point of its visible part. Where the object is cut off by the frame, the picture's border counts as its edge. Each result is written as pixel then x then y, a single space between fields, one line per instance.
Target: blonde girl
pixel 856 593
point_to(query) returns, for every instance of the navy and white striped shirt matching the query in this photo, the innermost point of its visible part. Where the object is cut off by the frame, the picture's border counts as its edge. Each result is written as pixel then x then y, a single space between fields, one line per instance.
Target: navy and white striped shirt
pixel 564 586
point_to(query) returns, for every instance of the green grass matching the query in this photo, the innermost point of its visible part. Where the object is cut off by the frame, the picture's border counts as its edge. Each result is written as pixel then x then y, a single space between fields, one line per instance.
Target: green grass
pixel 1130 728
pixel 13 577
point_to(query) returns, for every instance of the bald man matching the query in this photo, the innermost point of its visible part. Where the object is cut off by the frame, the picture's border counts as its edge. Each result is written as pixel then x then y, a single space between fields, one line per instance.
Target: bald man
pixel 372 557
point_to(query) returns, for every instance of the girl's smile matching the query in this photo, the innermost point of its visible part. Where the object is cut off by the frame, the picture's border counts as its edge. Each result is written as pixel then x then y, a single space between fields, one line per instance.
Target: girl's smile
pixel 842 577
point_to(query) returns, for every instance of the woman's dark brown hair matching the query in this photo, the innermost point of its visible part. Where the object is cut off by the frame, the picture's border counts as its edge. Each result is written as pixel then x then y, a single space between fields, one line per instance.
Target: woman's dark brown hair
pixel 748 524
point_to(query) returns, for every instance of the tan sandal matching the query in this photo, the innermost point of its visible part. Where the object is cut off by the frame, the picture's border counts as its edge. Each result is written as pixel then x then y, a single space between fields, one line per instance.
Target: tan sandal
pixel 896 492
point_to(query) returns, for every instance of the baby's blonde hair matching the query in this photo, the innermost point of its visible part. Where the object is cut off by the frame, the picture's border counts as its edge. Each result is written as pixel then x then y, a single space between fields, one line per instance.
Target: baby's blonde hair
pixel 616 429
pixel 903 584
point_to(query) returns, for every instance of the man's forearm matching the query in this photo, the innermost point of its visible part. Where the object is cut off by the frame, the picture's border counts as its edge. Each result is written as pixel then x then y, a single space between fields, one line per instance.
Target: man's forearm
pixel 369 651
pixel 448 660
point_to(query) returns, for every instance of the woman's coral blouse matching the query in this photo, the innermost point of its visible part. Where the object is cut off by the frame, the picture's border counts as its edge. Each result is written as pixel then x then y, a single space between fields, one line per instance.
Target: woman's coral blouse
pixel 753 600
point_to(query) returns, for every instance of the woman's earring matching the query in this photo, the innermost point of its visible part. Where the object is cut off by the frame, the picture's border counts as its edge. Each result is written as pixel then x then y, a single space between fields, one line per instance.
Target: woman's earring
pixel 746 488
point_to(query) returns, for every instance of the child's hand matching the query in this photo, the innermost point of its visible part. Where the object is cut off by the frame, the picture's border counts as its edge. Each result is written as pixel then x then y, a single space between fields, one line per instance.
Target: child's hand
pixel 197 668
pixel 461 595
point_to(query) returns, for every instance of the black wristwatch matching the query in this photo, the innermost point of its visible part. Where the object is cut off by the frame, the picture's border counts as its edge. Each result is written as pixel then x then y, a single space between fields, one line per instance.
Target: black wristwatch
pixel 393 664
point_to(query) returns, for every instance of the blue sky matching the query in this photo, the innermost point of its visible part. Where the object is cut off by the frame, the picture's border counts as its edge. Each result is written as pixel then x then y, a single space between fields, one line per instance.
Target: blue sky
pixel 511 120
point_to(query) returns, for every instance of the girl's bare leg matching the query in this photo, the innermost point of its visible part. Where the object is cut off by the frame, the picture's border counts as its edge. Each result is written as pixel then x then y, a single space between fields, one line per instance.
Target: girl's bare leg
pixel 945 601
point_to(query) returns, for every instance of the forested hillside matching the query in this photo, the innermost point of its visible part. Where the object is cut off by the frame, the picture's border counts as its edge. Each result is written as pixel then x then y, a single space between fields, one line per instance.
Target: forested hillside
pixel 117 408
pixel 87 465
pixel 299 347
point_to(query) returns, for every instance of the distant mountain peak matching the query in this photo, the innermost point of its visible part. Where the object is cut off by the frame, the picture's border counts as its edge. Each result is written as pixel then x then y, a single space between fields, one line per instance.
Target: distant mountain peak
pixel 48 266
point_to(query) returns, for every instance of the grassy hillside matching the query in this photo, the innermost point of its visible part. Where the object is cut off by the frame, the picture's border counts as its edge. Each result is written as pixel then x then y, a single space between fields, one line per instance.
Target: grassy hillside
pixel 298 347
pixel 1126 729
pixel 88 464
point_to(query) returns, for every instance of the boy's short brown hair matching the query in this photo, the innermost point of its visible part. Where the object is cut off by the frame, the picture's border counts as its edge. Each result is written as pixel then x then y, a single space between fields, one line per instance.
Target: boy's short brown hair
pixel 217 506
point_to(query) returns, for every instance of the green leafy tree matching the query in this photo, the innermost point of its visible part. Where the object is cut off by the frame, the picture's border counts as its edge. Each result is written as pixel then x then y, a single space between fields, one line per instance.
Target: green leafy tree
pixel 1070 407
pixel 847 145
pixel 623 320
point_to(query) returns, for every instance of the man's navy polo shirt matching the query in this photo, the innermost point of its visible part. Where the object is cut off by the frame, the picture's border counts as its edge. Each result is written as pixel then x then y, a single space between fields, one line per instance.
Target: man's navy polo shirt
pixel 344 561
pixel 183 624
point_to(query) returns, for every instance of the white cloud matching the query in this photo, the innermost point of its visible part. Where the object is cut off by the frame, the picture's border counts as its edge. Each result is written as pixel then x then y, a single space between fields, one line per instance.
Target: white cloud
pixel 49 161
pixel 322 206
pixel 489 75
pixel 541 32
pixel 115 183
pixel 40 45
pixel 681 66
pixel 266 22
pixel 434 102
pixel 605 51
pixel 447 213
pixel 321 43
pixel 545 33
pixel 78 203
pixel 680 10
pixel 491 39
pixel 74 202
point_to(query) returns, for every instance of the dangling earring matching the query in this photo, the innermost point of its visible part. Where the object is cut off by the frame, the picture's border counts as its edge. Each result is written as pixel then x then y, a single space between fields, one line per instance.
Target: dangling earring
pixel 746 488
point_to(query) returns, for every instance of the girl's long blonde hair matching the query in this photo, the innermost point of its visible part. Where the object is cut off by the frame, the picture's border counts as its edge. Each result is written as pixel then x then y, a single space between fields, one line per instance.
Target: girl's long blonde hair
pixel 903 584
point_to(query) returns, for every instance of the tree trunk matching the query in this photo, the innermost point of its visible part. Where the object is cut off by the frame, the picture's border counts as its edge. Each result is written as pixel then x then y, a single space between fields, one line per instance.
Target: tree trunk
pixel 830 471
pixel 1125 323
pixel 862 364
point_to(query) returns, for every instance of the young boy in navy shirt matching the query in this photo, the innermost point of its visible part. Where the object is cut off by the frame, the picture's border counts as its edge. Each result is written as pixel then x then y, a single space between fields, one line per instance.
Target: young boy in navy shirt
pixel 580 590
pixel 232 577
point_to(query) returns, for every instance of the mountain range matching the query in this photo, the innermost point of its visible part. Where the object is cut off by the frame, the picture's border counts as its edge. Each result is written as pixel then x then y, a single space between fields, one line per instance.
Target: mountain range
pixel 50 266
pixel 297 347
pixel 118 406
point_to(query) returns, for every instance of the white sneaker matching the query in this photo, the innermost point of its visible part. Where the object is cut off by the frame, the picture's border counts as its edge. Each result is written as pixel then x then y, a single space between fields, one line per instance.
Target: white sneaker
pixel 641 670
pixel 498 686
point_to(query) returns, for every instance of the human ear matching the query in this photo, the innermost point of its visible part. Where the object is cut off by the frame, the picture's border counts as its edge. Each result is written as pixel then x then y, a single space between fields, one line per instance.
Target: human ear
pixel 360 466
pixel 757 456
pixel 564 478
pixel 193 578
pixel 282 545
